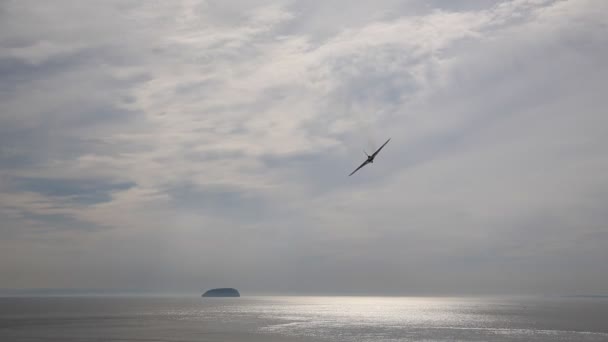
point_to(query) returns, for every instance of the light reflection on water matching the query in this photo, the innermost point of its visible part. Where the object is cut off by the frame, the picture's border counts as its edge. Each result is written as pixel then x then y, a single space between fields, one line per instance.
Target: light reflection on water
pixel 303 319
pixel 389 318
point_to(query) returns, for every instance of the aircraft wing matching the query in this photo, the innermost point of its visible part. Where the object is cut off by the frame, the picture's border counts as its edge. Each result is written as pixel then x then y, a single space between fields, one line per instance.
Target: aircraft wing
pixel 360 166
pixel 375 153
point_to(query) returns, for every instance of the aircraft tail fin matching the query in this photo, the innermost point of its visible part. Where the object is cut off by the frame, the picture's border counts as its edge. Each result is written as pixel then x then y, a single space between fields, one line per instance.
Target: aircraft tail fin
pixel 365 153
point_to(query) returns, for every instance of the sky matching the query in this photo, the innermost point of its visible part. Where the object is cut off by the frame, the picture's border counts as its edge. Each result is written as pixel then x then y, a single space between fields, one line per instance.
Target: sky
pixel 185 145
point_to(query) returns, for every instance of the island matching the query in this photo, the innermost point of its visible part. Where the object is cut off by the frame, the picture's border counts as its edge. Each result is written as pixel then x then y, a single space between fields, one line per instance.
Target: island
pixel 223 292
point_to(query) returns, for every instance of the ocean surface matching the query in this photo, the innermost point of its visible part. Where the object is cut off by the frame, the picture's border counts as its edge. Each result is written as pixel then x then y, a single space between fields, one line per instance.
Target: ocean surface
pixel 158 319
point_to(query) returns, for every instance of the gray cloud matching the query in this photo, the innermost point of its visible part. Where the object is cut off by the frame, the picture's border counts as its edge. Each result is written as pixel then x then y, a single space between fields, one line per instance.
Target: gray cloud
pixel 176 145
pixel 81 191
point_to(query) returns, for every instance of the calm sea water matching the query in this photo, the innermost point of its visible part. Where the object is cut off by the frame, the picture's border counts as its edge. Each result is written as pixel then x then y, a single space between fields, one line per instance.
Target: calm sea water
pixel 302 319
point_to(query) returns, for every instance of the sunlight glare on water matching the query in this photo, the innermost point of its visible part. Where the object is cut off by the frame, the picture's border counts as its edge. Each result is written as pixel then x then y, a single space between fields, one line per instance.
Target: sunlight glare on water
pixel 391 318
pixel 333 319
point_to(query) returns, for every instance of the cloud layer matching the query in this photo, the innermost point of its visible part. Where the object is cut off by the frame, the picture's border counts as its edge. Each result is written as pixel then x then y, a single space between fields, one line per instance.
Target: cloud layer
pixel 191 144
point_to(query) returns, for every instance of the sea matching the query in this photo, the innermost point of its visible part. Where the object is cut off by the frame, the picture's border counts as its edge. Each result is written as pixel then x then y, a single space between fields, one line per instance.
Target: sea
pixel 332 319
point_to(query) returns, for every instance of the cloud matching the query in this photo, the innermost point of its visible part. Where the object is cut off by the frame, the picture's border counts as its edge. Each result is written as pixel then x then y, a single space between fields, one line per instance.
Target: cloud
pixel 82 191
pixel 194 131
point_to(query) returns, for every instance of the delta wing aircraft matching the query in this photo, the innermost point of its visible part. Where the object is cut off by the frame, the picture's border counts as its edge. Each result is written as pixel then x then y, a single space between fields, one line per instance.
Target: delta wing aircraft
pixel 370 159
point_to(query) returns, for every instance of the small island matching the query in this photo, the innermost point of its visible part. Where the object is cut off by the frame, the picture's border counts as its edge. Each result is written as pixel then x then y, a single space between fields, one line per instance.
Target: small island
pixel 223 292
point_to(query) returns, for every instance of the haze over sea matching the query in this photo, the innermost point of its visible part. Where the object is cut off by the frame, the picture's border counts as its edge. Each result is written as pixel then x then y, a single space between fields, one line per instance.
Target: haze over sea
pixel 302 319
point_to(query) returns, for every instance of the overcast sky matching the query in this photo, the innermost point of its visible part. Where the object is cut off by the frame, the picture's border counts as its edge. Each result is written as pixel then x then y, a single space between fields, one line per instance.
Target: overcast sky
pixel 183 145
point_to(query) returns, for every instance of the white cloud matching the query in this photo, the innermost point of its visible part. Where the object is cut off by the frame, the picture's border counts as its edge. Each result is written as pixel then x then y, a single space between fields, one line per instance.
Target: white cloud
pixel 234 120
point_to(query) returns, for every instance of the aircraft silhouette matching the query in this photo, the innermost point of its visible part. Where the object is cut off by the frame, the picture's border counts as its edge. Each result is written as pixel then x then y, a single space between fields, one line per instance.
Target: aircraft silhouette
pixel 370 159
